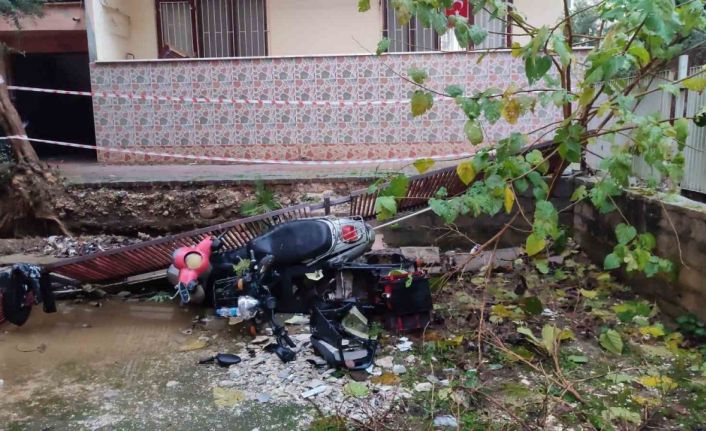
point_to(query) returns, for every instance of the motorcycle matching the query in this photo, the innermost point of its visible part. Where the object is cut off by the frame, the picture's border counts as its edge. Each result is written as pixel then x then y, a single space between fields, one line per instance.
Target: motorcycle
pixel 307 266
pixel 22 286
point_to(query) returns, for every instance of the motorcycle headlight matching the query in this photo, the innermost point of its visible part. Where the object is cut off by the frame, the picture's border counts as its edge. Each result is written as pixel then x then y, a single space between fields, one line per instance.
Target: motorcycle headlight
pixel 193 260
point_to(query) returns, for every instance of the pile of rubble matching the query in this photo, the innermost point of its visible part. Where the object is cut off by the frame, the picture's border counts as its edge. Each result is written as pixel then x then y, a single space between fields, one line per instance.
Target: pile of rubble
pixel 66 246
pixel 308 381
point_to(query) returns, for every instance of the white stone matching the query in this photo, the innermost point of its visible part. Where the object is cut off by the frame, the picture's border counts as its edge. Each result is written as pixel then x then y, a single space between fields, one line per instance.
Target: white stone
pixel 172 384
pixel 423 387
pixel 446 421
pixel 399 369
pixel 384 362
pixel 315 391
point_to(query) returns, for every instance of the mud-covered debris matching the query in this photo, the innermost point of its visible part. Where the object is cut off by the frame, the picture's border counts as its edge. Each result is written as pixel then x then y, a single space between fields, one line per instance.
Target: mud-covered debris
pixel 193 345
pixel 423 387
pixel 226 397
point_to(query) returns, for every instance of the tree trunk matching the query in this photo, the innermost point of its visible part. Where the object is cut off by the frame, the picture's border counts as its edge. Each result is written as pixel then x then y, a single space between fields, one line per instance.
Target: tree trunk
pixel 28 190
pixel 12 124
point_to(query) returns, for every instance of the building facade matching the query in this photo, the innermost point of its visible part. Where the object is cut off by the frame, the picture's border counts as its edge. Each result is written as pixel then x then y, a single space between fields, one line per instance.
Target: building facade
pixel 294 50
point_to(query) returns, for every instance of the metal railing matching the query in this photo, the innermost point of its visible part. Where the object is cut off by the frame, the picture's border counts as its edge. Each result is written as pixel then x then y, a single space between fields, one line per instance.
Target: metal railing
pixel 156 254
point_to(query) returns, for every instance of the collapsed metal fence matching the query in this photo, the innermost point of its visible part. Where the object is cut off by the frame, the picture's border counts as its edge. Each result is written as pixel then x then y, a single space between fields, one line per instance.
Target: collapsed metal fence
pixel 154 255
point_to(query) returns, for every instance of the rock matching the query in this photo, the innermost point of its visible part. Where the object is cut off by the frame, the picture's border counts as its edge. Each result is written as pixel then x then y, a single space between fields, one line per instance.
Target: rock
pixel 110 394
pixel 260 339
pixel 297 319
pixel 432 379
pixel 410 359
pixel 315 383
pixel 423 387
pixel 399 369
pixel 404 345
pixel 227 383
pixel 172 384
pixel 446 421
pixel 283 374
pixel 384 362
pixel 358 376
pixel 315 391
pixel 263 398
pixel 208 212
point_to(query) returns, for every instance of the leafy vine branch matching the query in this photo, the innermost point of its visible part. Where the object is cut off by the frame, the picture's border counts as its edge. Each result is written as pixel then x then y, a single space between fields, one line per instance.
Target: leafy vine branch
pixel 596 91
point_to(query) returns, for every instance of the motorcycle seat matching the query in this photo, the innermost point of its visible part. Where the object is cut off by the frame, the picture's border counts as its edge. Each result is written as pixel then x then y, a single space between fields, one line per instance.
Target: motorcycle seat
pixel 294 241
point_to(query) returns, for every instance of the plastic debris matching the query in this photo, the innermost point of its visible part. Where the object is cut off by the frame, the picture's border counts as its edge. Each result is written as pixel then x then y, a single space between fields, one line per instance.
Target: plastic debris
pixel 315 391
pixel 446 421
pixel 404 345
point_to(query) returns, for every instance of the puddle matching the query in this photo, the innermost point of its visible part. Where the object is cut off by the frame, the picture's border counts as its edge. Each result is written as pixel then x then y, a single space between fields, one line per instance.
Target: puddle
pixel 85 334
pixel 108 367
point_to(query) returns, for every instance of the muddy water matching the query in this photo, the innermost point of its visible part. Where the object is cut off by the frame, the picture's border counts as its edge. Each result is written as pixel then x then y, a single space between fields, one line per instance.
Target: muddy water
pixel 108 368
pixel 115 333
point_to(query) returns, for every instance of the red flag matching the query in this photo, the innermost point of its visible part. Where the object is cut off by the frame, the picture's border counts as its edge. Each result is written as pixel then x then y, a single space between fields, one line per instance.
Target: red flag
pixel 459 7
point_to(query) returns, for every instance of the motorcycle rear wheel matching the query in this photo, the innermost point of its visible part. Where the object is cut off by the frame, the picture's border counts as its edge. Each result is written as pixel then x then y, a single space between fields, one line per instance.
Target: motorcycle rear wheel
pixel 15 304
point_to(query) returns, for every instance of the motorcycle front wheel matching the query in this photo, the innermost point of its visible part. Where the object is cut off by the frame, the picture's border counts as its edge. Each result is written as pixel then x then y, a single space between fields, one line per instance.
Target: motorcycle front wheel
pixel 16 303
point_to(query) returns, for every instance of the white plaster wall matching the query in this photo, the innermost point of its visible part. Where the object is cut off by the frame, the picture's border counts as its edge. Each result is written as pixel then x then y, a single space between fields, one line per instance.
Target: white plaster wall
pixel 303 27
pixel 123 29
pixel 538 13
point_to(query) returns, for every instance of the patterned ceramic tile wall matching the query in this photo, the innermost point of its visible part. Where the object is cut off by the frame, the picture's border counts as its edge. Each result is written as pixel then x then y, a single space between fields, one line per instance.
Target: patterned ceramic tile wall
pixel 294 132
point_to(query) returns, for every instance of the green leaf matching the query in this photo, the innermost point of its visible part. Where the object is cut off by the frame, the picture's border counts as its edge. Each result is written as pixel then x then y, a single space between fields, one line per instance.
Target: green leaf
pixel 579 193
pixel 473 132
pixel 454 90
pixel 542 266
pixel 623 414
pixel 421 102
pixel 587 95
pixel 681 127
pixel 537 67
pixel 423 165
pixel 466 172
pixel 569 140
pixel 383 46
pixel 534 244
pixel 625 233
pixel 508 199
pixel 516 50
pixel 640 53
pixel 578 359
pixel 611 261
pixel 561 48
pixel 417 75
pixel 531 305
pixel 695 83
pixel 611 341
pixel 477 34
pixel 397 186
pixel 647 241
pixel 385 207
pixel 363 5
pixel 356 389
pixel 534 157
pixel 670 88
pixel 528 333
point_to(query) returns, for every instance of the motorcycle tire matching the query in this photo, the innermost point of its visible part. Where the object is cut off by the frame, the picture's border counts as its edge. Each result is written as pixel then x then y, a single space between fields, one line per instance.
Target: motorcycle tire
pixel 14 302
pixel 48 298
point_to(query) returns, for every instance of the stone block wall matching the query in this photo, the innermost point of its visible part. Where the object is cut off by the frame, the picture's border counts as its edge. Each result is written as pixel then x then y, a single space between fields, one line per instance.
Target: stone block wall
pixel 595 233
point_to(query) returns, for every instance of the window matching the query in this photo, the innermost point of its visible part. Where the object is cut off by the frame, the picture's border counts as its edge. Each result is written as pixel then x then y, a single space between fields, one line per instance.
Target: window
pixel 212 28
pixel 410 37
pixel 415 37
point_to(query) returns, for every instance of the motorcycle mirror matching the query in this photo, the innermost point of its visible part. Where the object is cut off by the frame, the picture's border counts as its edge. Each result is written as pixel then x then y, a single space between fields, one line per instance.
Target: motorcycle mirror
pixel 216 243
pixel 266 262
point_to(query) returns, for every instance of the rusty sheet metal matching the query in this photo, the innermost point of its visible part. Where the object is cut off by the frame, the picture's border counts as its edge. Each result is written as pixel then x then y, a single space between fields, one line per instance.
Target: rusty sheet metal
pixel 148 256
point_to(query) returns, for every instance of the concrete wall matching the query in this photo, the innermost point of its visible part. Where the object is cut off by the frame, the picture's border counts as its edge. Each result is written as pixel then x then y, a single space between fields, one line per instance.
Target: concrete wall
pixel 538 13
pixel 688 292
pixel 306 27
pixel 125 29
pixel 122 29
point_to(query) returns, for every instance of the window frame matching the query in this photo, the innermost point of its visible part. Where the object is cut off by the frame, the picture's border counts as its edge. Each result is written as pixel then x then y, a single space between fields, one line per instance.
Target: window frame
pixel 437 43
pixel 196 33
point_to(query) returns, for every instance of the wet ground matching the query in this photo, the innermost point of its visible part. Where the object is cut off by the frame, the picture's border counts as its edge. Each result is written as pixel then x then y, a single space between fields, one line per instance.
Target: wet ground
pixel 118 366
